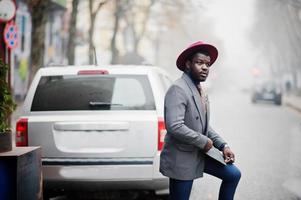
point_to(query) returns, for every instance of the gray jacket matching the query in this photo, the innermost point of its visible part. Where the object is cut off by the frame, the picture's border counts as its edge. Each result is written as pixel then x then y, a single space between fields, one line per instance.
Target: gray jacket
pixel 188 131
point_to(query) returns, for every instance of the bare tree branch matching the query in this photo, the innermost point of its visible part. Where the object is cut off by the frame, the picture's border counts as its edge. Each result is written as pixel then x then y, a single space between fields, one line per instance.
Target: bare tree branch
pixel 93 15
pixel 72 33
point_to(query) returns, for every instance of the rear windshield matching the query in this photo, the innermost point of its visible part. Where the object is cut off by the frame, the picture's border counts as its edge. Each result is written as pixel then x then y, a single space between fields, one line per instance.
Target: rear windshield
pixel 85 92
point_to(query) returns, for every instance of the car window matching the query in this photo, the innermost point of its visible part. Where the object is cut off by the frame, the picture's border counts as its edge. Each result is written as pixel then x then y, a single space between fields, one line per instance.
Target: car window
pixel 105 92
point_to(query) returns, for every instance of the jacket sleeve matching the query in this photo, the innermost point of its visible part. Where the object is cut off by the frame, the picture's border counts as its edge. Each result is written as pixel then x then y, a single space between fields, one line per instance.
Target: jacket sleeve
pixel 174 112
pixel 217 140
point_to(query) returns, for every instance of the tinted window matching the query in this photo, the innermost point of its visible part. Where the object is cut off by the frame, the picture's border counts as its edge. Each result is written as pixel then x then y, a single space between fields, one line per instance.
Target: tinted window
pixel 105 92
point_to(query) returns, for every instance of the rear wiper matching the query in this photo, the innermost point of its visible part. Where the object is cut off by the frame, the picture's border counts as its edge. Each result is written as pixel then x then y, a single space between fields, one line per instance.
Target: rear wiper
pixel 100 103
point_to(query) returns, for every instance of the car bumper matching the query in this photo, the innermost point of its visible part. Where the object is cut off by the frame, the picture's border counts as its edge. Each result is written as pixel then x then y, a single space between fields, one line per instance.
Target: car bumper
pixel 104 174
pixel 267 97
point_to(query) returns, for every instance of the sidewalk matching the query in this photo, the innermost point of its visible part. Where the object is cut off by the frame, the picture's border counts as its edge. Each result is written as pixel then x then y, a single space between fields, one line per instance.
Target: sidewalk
pixel 292 101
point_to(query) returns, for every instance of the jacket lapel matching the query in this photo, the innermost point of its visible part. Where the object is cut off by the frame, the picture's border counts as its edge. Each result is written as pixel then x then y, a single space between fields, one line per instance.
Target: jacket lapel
pixel 207 113
pixel 196 97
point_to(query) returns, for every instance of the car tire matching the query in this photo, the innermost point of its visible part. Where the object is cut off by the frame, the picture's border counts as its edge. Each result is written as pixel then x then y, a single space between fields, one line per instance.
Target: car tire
pixel 152 196
pixel 162 197
pixel 278 100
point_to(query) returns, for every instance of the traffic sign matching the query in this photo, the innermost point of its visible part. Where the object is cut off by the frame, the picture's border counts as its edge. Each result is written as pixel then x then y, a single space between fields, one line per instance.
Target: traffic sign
pixel 7 10
pixel 11 35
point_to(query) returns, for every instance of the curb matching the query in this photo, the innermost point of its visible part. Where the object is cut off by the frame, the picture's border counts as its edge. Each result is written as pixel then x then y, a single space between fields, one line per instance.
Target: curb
pixel 293 186
pixel 291 105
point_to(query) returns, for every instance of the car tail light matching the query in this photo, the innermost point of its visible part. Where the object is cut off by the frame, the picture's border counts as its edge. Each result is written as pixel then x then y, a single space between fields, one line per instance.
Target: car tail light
pixel 22 132
pixel 92 72
pixel 161 133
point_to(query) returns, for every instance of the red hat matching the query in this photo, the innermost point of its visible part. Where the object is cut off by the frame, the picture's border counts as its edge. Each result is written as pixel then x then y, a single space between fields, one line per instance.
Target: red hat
pixel 193 48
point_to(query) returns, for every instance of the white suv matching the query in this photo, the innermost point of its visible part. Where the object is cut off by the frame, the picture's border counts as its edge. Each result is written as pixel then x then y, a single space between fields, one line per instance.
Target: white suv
pixel 98 126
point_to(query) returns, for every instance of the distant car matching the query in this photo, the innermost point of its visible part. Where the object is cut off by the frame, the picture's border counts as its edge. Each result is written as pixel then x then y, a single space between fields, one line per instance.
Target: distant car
pixel 99 127
pixel 267 91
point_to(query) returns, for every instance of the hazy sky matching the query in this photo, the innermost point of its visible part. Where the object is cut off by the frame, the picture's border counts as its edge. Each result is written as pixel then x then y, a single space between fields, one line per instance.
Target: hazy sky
pixel 232 22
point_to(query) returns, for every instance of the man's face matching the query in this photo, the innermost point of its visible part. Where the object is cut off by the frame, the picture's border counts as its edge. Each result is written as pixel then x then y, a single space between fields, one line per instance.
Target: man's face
pixel 198 67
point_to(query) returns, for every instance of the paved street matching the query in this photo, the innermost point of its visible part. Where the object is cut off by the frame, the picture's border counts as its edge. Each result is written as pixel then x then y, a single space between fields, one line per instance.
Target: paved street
pixel 265 139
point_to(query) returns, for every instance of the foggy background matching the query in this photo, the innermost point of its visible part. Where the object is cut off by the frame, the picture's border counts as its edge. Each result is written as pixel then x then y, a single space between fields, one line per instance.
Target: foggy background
pixel 255 39
pixel 258 40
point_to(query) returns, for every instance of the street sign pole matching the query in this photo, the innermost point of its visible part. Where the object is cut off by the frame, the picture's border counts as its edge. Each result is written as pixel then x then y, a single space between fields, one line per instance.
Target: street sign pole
pixel 8 32
pixel 2 43
pixel 11 39
pixel 8 53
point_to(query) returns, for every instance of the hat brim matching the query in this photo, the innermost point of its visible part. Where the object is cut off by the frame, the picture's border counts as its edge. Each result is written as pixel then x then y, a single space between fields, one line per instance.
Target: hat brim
pixel 182 58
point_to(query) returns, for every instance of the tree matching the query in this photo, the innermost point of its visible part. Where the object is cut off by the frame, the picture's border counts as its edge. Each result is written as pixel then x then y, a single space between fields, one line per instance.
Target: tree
pixel 139 22
pixel 93 13
pixel 134 24
pixel 72 32
pixel 117 15
pixel 135 14
pixel 38 10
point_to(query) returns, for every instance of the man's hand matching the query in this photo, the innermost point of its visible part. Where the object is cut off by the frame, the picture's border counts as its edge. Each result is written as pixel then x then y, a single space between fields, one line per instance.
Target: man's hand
pixel 208 146
pixel 228 155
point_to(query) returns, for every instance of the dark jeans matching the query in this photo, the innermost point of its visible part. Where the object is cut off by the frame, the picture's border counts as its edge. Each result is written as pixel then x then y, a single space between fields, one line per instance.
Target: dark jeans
pixel 229 174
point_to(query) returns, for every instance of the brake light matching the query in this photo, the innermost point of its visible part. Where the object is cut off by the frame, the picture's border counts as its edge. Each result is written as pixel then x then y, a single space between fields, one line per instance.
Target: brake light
pixel 161 133
pixel 92 72
pixel 22 132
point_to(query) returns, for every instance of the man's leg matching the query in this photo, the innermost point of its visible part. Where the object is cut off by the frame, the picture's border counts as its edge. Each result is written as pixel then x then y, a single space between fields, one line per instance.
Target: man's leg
pixel 229 174
pixel 179 190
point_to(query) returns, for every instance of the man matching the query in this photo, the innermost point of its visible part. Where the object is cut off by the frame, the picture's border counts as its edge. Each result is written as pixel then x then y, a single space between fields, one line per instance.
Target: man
pixel 189 136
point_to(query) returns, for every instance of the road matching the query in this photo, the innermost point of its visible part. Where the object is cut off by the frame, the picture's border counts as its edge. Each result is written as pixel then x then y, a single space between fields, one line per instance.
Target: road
pixel 265 139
